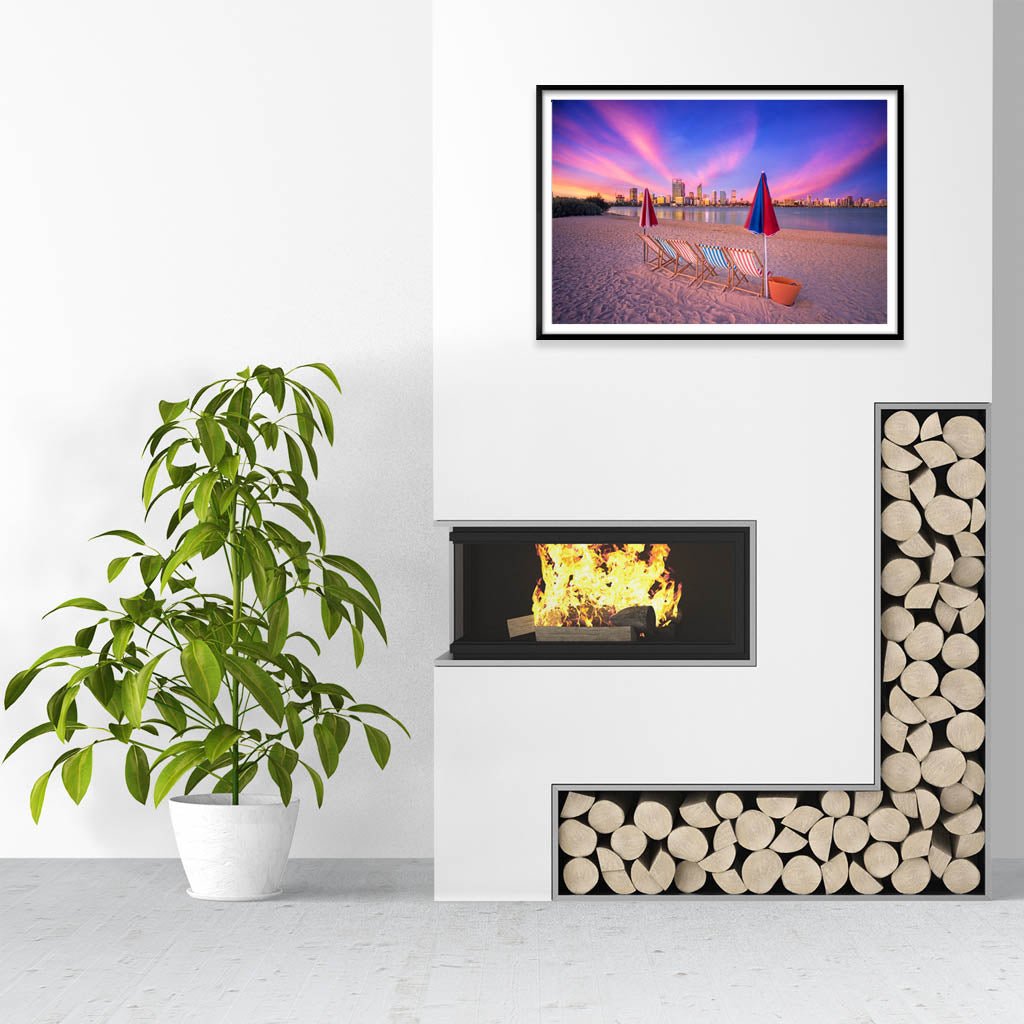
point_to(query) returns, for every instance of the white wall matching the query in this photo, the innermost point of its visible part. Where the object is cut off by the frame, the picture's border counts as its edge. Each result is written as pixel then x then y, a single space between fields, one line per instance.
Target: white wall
pixel 184 189
pixel 1006 720
pixel 777 432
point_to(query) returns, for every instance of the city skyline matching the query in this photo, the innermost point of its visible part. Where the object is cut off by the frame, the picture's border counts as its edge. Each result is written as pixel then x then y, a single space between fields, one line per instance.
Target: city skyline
pixel 808 148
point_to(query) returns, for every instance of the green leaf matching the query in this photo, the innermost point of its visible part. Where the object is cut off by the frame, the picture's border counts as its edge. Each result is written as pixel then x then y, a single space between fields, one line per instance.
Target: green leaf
pixel 80 602
pixel 211 437
pixel 245 776
pixel 326 417
pixel 259 684
pixel 203 537
pixel 296 730
pixel 65 706
pixel 171 711
pixel 353 568
pixel 372 709
pixel 325 370
pixel 283 780
pixel 122 630
pixel 170 411
pixel 135 690
pixel 149 568
pixel 364 604
pixel 358 646
pixel 342 728
pixel 331 616
pixel 84 637
pixel 115 567
pixel 198 774
pixel 150 480
pixel 181 747
pixel 202 670
pixel 66 651
pixel 133 698
pixel 77 773
pixel 123 534
pixel 304 421
pixel 286 758
pixel 18 685
pixel 380 744
pixel 136 773
pixel 38 794
pixel 221 739
pixel 100 682
pixel 201 501
pixel 318 783
pixel 327 747
pixel 173 770
pixel 277 631
pixel 38 730
pixel 294 457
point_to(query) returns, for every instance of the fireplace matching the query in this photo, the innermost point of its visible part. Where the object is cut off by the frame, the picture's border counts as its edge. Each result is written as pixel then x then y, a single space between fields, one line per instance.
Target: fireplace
pixel 660 592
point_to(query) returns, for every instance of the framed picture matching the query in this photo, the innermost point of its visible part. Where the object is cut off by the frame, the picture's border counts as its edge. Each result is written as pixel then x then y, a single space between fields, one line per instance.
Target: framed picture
pixel 717 212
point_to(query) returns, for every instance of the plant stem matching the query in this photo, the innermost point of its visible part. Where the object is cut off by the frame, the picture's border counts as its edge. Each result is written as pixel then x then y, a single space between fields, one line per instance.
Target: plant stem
pixel 236 602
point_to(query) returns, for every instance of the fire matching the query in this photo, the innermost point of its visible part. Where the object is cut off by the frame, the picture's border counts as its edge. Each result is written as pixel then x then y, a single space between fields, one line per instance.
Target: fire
pixel 586 584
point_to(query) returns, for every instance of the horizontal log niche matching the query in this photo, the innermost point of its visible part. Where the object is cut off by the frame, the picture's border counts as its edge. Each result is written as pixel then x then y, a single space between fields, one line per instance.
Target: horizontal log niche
pixel 923 833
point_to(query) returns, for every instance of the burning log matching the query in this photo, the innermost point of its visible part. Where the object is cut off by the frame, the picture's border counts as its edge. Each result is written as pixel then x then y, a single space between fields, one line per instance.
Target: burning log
pixel 521 625
pixel 641 617
pixel 586 634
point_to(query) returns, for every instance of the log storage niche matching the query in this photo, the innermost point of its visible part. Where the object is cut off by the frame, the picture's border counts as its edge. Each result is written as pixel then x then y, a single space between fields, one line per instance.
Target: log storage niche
pixel 923 832
pixel 605 592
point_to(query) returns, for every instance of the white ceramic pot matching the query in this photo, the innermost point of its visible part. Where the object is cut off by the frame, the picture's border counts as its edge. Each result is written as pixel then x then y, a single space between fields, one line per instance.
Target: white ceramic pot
pixel 233 852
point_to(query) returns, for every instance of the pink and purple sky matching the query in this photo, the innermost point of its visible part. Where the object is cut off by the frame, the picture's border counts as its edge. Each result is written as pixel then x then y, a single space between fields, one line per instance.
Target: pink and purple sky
pixel 824 148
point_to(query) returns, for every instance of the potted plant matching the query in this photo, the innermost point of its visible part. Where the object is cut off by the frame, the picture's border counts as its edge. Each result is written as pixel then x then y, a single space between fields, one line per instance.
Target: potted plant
pixel 203 684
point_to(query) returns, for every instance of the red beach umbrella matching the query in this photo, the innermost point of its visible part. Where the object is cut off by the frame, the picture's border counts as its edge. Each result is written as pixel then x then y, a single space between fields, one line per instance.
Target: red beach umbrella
pixel 648 218
pixel 761 220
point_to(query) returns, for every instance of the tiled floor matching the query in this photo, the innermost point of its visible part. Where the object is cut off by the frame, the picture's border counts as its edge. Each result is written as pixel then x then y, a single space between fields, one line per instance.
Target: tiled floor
pixel 362 942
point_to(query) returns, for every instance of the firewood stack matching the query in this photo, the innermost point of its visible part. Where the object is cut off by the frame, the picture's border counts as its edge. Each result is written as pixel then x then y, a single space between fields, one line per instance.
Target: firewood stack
pixel 922 833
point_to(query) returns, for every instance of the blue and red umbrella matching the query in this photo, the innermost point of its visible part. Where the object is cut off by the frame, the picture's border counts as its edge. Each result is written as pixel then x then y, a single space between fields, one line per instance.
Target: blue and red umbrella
pixel 761 220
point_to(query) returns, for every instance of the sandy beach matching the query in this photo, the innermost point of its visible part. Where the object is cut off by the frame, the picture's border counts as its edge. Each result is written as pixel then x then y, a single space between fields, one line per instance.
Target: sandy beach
pixel 598 276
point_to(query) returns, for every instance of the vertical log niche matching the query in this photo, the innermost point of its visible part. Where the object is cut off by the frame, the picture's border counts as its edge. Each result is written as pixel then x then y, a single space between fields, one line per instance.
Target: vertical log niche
pixel 923 833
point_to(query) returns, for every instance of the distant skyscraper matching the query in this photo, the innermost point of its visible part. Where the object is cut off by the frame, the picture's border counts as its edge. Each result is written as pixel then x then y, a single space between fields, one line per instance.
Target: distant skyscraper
pixel 808 200
pixel 678 190
pixel 721 197
pixel 632 195
pixel 700 194
pixel 733 199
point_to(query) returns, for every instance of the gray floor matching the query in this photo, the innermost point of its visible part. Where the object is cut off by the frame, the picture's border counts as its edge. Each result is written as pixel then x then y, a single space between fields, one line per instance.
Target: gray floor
pixel 362 942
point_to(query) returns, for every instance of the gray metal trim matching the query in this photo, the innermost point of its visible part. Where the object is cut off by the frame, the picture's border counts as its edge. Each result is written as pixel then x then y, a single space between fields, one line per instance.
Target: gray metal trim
pixel 445 660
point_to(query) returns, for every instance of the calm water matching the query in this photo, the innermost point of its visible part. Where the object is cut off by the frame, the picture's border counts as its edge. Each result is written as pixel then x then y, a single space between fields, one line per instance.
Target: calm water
pixel 849 220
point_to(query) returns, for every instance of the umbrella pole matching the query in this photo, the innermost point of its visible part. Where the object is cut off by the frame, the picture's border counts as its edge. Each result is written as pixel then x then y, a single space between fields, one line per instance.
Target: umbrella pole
pixel 766 266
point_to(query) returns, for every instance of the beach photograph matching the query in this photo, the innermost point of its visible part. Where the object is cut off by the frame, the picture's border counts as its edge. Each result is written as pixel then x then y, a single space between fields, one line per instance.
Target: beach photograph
pixel 717 213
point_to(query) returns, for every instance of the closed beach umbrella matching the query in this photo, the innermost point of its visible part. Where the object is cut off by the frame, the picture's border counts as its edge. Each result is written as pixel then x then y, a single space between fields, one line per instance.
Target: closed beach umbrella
pixel 648 218
pixel 761 220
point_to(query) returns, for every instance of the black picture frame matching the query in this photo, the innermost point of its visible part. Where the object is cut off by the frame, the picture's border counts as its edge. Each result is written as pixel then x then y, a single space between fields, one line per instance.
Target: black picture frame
pixel 545 333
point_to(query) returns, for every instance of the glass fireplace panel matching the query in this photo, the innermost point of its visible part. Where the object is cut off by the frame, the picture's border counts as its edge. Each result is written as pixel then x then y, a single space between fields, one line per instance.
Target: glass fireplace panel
pixel 654 591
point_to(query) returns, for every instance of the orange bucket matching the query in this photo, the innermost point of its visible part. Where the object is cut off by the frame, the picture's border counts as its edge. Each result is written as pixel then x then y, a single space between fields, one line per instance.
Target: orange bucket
pixel 783 290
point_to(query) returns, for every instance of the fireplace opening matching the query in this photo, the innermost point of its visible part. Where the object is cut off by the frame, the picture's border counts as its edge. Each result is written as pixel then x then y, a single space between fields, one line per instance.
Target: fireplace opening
pixel 653 591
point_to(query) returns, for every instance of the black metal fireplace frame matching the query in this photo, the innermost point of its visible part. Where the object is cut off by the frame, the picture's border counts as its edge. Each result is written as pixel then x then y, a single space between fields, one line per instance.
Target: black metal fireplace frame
pixel 740 650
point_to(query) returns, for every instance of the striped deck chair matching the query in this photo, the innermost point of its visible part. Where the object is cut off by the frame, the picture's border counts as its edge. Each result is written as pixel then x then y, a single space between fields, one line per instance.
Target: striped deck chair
pixel 746 264
pixel 685 257
pixel 714 259
pixel 654 255
pixel 674 259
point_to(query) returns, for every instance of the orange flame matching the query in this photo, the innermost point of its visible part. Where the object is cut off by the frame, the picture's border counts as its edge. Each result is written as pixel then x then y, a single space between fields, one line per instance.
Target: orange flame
pixel 586 584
